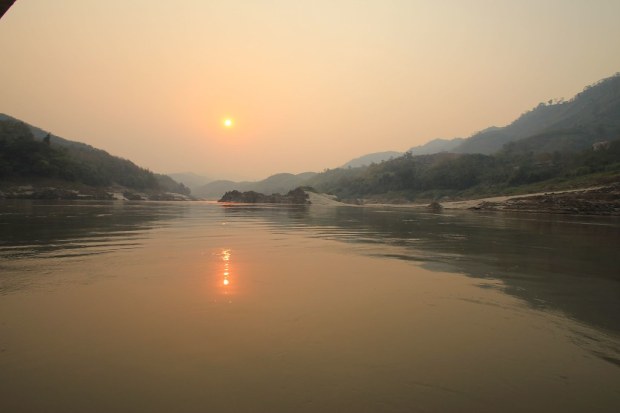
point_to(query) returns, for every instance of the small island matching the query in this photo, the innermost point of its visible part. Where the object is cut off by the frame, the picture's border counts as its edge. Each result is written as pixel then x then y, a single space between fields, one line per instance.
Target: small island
pixel 296 196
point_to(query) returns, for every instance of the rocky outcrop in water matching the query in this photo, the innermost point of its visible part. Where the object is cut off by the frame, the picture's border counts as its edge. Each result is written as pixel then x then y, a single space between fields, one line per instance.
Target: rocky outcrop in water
pixel 296 196
pixel 434 207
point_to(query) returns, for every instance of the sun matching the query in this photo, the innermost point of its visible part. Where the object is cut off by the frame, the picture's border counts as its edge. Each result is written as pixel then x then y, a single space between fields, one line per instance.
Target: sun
pixel 228 123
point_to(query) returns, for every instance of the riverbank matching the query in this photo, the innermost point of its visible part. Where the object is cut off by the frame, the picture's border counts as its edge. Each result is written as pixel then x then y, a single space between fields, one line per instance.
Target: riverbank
pixel 600 200
pixel 60 190
pixel 603 200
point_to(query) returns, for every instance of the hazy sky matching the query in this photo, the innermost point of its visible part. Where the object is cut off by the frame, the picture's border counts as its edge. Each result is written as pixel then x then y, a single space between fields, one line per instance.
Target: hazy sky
pixel 310 84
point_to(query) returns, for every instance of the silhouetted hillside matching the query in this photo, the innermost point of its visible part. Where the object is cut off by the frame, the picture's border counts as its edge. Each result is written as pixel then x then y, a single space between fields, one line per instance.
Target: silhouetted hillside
pixel 447 174
pixel 591 116
pixel 27 152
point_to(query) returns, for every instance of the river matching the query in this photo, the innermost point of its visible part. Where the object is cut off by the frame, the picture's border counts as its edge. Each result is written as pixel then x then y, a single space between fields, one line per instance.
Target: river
pixel 198 306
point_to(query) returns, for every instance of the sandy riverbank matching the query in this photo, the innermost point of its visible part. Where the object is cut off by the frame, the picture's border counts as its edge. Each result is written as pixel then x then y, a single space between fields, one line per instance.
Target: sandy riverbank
pixel 474 203
pixel 601 200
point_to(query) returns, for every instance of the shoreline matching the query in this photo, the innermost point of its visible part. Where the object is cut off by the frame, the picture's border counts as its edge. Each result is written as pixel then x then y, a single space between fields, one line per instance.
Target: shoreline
pixel 62 191
pixel 600 200
pixel 594 201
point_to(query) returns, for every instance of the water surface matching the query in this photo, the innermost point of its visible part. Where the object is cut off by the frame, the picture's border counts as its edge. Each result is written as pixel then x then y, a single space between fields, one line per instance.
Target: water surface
pixel 194 307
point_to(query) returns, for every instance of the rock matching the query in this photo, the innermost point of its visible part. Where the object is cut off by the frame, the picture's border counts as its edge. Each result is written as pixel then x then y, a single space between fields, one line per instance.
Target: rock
pixel 485 206
pixel 132 196
pixel 435 207
pixel 595 201
pixel 296 196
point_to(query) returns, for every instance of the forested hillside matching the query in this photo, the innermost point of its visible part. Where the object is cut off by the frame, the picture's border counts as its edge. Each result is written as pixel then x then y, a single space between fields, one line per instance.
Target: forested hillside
pixel 432 176
pixel 22 156
pixel 557 125
pixel 565 143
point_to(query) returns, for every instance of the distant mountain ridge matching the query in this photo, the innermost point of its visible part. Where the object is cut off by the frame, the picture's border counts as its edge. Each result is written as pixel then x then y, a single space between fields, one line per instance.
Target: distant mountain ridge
pixel 565 144
pixel 591 116
pixel 190 179
pixel 436 146
pixel 431 147
pixel 375 157
pixel 279 183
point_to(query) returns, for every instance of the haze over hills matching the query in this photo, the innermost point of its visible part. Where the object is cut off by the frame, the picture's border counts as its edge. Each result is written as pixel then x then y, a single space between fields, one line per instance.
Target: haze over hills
pixel 552 141
pixel 190 179
pixel 371 158
pixel 433 146
pixel 535 145
pixel 278 183
pixel 436 146
pixel 78 162
pixel 590 116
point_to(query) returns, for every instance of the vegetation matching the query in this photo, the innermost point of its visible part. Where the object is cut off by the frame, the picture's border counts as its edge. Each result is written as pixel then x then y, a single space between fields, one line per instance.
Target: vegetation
pixel 433 176
pixel 558 144
pixel 558 125
pixel 24 156
pixel 296 196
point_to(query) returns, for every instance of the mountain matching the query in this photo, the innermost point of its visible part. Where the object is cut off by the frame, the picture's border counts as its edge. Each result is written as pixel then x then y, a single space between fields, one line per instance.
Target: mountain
pixel 371 158
pixel 39 134
pixel 591 116
pixel 190 179
pixel 569 144
pixel 215 189
pixel 431 177
pixel 279 183
pixel 436 146
pixel 30 154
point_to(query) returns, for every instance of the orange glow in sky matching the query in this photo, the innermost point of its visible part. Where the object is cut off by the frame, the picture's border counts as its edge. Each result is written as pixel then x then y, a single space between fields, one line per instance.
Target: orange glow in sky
pixel 315 83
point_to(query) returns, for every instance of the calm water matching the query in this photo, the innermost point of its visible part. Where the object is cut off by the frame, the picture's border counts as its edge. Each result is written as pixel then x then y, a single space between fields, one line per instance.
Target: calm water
pixel 198 307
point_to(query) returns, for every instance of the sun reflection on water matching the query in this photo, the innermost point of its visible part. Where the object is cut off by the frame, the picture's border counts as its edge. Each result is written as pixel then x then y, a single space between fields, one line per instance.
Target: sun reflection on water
pixel 225 254
pixel 222 281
